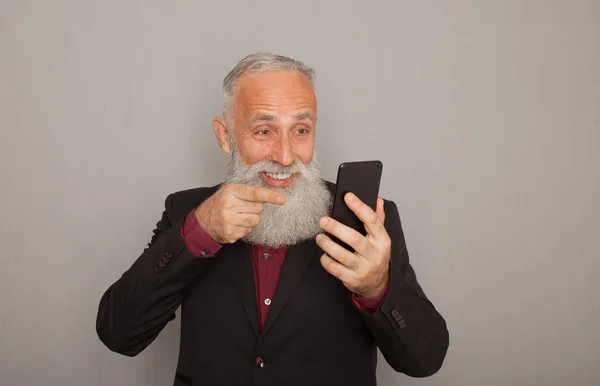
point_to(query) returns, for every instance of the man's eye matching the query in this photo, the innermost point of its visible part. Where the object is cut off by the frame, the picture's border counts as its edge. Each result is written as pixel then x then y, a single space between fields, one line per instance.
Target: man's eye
pixel 262 132
pixel 303 131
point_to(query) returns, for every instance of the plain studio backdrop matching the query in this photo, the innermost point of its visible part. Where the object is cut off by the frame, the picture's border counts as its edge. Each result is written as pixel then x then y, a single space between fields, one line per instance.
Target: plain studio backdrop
pixel 486 115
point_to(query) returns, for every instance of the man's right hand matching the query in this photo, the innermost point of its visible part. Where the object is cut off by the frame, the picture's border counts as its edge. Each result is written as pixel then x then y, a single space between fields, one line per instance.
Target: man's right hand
pixel 234 210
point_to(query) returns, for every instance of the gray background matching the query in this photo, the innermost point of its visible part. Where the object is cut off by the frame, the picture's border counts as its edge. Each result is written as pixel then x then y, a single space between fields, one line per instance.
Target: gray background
pixel 486 115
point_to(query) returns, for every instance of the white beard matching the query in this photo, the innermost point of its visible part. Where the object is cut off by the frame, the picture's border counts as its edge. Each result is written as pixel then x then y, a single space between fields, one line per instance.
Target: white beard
pixel 307 200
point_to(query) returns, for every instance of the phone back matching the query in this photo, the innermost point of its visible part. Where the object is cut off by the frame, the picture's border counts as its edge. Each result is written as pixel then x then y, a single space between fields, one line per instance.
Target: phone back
pixel 361 178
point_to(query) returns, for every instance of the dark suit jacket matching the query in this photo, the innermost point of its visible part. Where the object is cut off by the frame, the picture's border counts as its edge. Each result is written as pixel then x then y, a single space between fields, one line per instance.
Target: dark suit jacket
pixel 314 334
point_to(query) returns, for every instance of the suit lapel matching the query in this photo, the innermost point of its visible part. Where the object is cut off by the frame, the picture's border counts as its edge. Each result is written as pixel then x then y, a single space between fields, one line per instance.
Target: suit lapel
pixel 297 260
pixel 239 261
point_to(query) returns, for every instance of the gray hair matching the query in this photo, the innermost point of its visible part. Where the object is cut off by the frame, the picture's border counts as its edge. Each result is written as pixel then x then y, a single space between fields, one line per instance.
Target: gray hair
pixel 257 63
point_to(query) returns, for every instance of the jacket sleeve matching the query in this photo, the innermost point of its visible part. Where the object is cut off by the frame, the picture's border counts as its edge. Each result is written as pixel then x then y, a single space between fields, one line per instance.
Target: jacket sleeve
pixel 410 333
pixel 135 309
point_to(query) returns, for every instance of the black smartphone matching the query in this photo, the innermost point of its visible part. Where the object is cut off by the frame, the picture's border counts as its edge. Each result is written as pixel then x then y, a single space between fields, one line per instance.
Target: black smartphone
pixel 363 179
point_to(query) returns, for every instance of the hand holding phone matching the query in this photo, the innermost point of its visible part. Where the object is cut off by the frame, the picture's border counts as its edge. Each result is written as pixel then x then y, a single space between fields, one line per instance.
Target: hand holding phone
pixel 364 271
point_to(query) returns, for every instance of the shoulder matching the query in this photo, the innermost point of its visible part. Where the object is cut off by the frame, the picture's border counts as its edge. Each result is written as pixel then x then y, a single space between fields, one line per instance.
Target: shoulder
pixel 180 203
pixel 194 194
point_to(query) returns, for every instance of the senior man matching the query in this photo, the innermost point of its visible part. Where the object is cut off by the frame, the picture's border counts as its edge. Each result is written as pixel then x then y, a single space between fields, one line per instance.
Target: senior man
pixel 266 298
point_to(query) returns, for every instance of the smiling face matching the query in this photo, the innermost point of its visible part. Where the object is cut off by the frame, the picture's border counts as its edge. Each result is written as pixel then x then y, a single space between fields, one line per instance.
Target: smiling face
pixel 273 118
pixel 272 128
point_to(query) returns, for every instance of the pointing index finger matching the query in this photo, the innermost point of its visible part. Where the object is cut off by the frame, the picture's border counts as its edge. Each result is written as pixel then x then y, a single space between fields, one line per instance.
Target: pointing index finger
pixel 256 194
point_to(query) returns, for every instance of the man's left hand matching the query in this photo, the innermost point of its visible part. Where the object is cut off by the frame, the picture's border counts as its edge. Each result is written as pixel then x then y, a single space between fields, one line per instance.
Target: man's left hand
pixel 366 271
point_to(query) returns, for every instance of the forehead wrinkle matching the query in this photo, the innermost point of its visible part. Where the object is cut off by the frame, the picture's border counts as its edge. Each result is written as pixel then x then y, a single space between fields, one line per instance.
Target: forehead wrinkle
pixel 269 104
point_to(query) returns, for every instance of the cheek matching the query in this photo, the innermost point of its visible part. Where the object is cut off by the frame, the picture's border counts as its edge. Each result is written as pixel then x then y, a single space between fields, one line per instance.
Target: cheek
pixel 304 152
pixel 255 153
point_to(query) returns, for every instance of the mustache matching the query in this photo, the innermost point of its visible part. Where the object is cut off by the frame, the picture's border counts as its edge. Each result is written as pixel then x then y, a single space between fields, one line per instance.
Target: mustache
pixel 275 167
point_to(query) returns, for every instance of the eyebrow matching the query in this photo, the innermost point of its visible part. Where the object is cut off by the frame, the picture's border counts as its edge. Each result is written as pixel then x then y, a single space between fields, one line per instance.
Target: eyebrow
pixel 304 116
pixel 262 117
pixel 269 117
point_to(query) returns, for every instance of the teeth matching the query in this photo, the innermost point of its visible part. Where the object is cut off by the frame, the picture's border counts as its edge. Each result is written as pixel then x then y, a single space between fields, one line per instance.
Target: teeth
pixel 279 176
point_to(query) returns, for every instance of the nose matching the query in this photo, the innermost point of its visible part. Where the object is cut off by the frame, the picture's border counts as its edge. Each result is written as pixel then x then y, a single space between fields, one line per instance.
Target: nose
pixel 282 152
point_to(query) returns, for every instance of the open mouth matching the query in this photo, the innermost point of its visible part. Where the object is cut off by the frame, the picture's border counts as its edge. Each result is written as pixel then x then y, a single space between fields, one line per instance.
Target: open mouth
pixel 279 176
pixel 278 179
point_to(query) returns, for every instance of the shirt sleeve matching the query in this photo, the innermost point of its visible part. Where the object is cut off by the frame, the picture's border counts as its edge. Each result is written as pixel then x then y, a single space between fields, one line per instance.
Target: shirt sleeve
pixel 197 240
pixel 368 305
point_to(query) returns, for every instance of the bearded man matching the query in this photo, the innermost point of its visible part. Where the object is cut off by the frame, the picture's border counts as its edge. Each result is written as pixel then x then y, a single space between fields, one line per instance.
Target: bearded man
pixel 266 297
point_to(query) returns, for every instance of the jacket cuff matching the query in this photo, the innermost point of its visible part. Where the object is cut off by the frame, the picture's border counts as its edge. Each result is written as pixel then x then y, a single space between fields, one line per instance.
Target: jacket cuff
pixel 369 305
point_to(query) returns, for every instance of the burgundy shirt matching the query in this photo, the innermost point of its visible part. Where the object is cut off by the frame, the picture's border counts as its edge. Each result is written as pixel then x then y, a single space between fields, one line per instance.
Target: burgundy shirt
pixel 266 263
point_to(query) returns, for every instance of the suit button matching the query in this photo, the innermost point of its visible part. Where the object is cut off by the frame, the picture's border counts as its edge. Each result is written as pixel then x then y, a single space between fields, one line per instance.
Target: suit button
pixel 259 362
pixel 169 255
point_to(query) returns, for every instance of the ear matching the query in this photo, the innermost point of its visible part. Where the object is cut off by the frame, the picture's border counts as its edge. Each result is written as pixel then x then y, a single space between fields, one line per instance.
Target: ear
pixel 220 129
